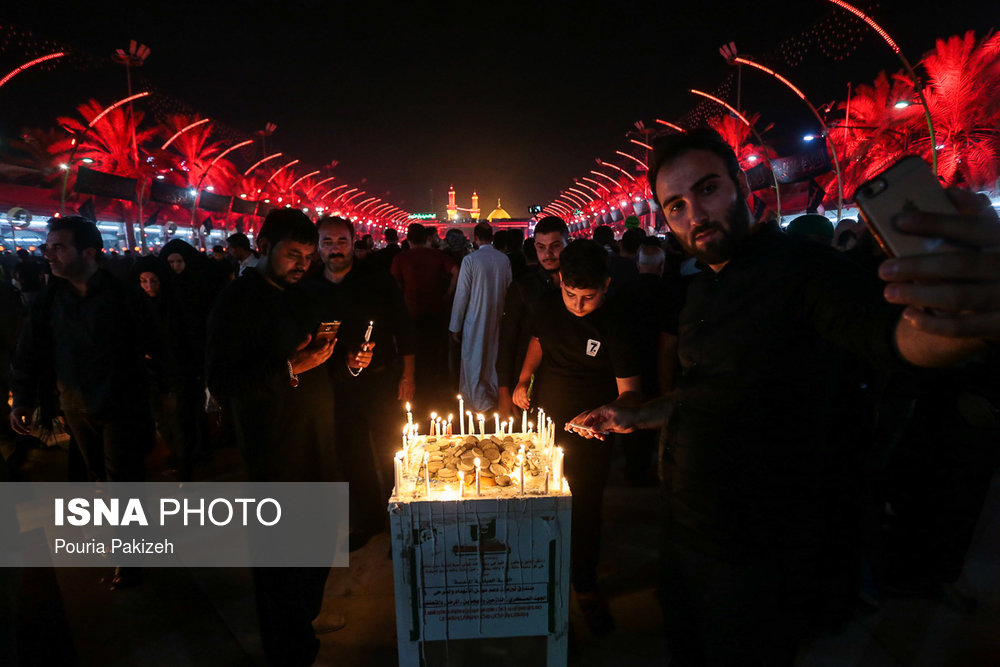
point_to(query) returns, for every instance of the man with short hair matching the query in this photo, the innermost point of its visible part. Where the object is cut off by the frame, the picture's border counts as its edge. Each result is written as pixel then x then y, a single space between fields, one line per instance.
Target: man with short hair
pixel 86 340
pixel 239 248
pixel 551 236
pixel 382 259
pixel 365 438
pixel 265 364
pixel 427 277
pixel 754 456
pixel 475 318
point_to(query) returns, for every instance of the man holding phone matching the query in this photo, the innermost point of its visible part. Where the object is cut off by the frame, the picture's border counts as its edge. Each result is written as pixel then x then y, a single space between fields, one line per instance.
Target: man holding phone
pixel 755 460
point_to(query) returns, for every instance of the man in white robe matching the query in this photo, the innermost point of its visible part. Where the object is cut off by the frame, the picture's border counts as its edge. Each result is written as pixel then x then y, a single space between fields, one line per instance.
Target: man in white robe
pixel 475 318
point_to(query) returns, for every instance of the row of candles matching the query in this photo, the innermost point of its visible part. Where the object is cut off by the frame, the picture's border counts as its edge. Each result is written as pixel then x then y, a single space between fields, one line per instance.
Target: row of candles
pixel 441 428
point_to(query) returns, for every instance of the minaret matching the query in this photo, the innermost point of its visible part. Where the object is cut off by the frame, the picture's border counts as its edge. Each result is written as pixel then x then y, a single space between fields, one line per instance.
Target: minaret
pixel 452 207
pixel 475 206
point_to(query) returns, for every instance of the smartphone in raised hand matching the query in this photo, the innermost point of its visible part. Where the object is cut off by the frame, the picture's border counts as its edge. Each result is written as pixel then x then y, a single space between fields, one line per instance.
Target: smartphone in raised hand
pixel 908 185
pixel 327 331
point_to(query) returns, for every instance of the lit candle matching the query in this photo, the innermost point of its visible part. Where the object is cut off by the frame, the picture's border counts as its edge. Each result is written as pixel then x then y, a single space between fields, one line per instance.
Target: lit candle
pixel 461 411
pixel 461 484
pixel 546 481
pixel 478 488
pixel 531 427
pixel 405 431
pixel 427 474
pixel 399 472
pixel 510 425
pixel 472 431
pixel 368 331
pixel 482 426
pixel 496 422
pixel 524 421
pixel 541 420
pixel 449 425
pixel 433 423
pixel 438 426
pixel 520 464
pixel 565 485
pixel 558 466
pixel 409 415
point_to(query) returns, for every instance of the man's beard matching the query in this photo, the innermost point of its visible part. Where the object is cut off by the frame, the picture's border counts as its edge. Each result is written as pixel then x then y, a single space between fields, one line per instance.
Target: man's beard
pixel 720 249
pixel 338 263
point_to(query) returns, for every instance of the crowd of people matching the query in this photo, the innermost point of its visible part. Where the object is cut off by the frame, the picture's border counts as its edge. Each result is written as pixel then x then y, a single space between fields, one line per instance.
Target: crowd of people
pixel 797 386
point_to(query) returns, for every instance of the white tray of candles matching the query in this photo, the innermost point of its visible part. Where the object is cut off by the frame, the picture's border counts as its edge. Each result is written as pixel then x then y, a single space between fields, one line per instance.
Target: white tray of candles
pixel 465 459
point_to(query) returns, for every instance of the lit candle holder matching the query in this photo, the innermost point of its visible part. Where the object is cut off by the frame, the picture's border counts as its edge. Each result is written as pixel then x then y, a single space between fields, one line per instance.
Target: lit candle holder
pixel 427 474
pixel 449 425
pixel 461 411
pixel 472 431
pixel 496 422
pixel 461 484
pixel 399 472
pixel 482 426
pixel 479 489
pixel 409 415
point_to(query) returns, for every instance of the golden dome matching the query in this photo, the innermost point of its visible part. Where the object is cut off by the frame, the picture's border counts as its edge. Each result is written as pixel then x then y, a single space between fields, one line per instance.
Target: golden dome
pixel 498 213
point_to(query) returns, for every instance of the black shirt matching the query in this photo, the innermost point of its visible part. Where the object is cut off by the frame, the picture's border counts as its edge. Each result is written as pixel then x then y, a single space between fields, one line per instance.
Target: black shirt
pixel 753 448
pixel 519 309
pixel 92 347
pixel 366 295
pixel 582 356
pixel 285 432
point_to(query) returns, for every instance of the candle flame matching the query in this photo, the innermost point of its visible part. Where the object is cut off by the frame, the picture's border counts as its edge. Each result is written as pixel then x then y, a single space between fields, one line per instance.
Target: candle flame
pixel 407 406
pixel 476 461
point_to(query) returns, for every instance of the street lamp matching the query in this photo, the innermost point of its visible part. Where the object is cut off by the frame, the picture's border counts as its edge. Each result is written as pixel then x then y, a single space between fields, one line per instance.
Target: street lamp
pixel 204 175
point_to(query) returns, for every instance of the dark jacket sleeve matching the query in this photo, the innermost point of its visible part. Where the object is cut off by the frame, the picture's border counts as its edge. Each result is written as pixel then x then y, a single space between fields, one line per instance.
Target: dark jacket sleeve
pixel 512 326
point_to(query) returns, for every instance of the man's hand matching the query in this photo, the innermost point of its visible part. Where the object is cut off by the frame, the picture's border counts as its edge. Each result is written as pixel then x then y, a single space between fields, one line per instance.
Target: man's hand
pixel 456 336
pixel 952 294
pixel 605 419
pixel 360 357
pixel 505 404
pixel 521 399
pixel 20 420
pixel 310 354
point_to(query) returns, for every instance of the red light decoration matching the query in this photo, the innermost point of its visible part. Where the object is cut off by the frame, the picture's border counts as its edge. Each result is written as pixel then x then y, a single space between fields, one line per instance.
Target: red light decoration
pixel 331 191
pixel 587 197
pixel 598 184
pixel 590 189
pixel 633 158
pixel 30 63
pixel 641 143
pixel 302 178
pixel 615 166
pixel 670 125
pixel 345 192
pixel 867 19
pixel 260 162
pixel 359 207
pixel 603 175
pixel 224 154
pixel 315 186
pixel 115 106
pixel 182 131
pixel 279 170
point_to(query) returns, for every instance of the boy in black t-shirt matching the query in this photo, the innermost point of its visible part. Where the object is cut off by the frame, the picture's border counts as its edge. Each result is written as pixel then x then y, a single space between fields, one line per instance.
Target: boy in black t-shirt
pixel 582 349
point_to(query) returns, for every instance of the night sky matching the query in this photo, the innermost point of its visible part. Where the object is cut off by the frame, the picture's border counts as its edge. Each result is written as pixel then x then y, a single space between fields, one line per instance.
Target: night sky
pixel 510 101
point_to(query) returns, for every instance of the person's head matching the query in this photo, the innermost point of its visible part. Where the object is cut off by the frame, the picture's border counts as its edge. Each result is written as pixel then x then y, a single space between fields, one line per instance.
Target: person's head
pixel 584 280
pixel 391 236
pixel 416 234
pixel 604 235
pixel 361 250
pixel 432 235
pixel 651 259
pixel 844 235
pixel 455 240
pixel 500 240
pixel 813 226
pixel 336 244
pixel 287 241
pixel 73 246
pixel 698 184
pixel 239 246
pixel 148 272
pixel 176 262
pixel 515 238
pixel 369 241
pixel 551 237
pixel 218 253
pixel 483 233
pixel 631 240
